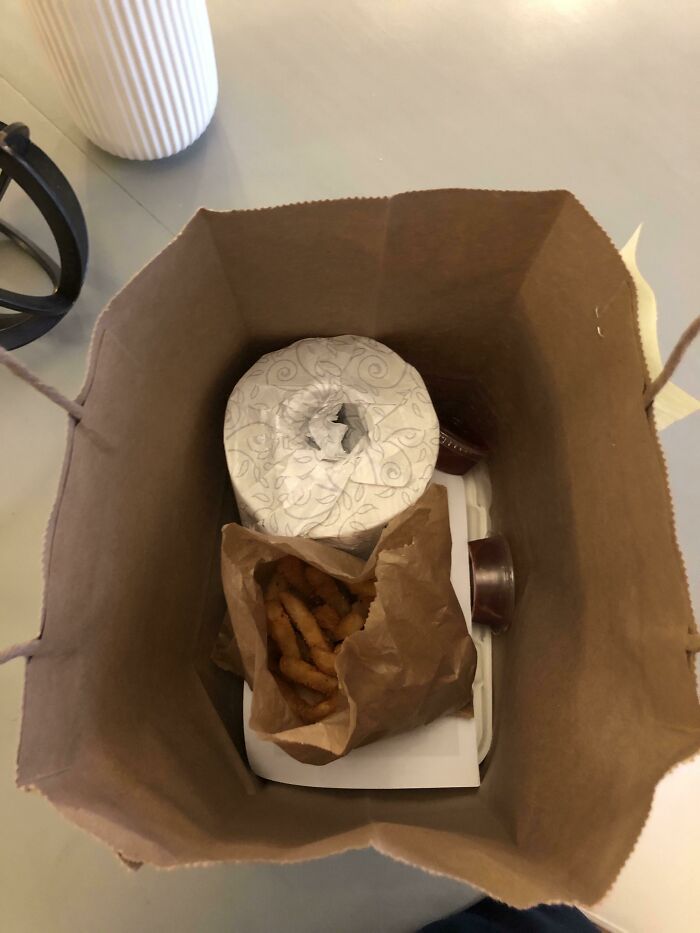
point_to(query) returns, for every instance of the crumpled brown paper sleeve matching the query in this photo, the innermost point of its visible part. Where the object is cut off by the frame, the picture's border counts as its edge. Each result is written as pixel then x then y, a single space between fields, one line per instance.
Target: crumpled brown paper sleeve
pixel 413 661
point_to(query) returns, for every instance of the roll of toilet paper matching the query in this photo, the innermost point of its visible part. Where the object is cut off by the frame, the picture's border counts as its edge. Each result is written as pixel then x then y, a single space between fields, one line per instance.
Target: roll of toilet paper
pixel 329 438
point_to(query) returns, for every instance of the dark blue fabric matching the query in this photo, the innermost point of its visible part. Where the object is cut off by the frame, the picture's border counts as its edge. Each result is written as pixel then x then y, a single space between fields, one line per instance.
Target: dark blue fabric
pixel 489 916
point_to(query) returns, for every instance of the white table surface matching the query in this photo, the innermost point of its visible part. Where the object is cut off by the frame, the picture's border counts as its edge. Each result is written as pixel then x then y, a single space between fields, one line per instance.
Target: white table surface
pixel 320 100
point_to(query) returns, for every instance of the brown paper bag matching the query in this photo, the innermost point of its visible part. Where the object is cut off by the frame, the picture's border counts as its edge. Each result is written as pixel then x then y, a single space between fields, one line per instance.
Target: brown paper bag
pixel 520 315
pixel 414 660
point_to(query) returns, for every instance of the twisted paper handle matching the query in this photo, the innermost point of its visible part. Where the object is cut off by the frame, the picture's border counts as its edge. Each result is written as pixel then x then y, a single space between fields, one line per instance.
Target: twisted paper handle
pixel 24 650
pixel 687 337
pixel 19 369
pixel 29 648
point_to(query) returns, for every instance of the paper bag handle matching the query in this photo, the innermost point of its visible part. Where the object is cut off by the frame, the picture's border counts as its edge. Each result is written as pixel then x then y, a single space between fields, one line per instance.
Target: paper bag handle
pixel 26 649
pixel 677 354
pixel 19 369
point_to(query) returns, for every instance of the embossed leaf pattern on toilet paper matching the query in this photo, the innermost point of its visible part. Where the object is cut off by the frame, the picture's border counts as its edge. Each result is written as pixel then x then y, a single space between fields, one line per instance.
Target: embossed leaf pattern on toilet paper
pixel 329 438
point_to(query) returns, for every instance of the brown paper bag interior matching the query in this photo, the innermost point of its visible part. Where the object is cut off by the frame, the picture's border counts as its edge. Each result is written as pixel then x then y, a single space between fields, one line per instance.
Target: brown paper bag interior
pixel 520 316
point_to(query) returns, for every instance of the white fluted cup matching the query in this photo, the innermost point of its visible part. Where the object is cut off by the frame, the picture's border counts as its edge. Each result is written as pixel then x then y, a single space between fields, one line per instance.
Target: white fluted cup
pixel 139 75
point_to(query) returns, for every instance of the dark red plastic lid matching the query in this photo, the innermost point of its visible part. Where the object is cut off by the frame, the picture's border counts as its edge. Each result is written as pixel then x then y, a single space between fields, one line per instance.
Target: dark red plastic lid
pixel 457 455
